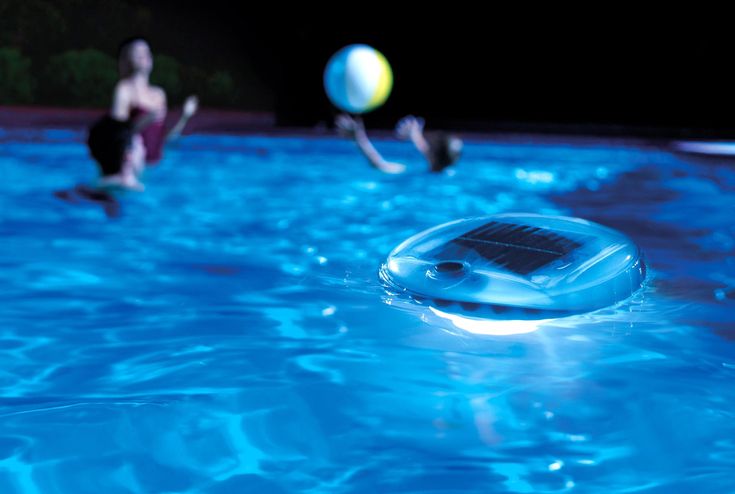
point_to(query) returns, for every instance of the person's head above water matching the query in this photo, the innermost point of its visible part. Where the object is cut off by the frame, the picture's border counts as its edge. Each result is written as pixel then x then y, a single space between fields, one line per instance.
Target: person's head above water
pixel 117 149
pixel 444 150
pixel 440 149
pixel 134 56
pixel 109 140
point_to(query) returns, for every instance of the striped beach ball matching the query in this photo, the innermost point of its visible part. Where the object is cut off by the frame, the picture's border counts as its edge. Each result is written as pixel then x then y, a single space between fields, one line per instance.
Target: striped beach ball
pixel 358 79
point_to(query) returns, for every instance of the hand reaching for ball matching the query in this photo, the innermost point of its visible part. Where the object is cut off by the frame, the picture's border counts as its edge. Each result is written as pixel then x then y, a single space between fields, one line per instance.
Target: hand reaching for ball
pixel 409 127
pixel 349 126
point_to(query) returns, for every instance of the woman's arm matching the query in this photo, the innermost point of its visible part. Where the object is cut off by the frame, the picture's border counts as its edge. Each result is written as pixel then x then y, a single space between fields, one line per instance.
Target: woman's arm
pixel 190 107
pixel 354 128
pixel 412 128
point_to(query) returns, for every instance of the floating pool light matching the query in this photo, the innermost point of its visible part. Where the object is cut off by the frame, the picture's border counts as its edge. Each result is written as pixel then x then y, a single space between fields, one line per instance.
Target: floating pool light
pixel 516 266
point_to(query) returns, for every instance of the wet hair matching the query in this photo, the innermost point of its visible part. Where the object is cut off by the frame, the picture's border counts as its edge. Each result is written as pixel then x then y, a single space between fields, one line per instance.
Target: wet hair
pixel 108 141
pixel 444 150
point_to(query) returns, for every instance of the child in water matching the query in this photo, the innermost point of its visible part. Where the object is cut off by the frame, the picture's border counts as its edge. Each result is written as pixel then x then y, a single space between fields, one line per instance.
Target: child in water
pixel 440 150
pixel 118 149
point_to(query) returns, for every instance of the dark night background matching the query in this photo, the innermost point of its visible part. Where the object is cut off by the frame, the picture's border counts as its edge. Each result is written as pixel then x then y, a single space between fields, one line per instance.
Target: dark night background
pixel 458 65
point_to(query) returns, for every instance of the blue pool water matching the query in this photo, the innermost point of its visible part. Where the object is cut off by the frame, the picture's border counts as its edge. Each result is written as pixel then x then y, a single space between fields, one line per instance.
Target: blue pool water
pixel 228 332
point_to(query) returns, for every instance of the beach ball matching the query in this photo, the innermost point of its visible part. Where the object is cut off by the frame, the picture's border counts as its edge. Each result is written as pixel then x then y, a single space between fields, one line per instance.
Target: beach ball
pixel 358 79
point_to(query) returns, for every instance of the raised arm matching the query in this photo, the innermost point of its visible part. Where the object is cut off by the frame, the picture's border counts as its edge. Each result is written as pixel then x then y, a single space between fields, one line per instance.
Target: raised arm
pixel 354 128
pixel 412 128
pixel 190 108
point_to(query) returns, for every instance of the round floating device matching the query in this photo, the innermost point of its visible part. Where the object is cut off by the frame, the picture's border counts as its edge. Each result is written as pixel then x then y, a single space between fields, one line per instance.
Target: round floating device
pixel 516 266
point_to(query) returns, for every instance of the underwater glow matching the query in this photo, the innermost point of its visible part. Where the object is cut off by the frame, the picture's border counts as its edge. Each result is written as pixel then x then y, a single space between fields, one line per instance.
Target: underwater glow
pixel 491 327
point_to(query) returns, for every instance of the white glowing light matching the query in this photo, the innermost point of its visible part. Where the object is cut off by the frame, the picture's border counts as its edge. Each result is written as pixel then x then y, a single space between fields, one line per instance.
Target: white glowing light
pixel 393 266
pixel 491 327
pixel 556 466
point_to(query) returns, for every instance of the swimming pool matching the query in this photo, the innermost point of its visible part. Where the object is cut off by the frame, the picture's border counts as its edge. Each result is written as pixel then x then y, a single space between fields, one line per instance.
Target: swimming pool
pixel 228 331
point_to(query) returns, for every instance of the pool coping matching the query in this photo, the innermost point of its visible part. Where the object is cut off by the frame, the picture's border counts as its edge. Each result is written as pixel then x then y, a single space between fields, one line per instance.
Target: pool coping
pixel 218 121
